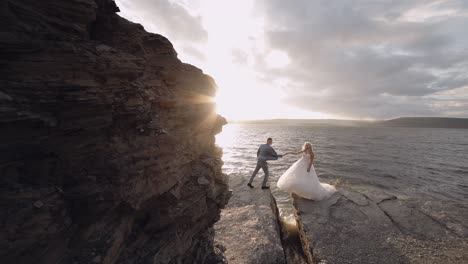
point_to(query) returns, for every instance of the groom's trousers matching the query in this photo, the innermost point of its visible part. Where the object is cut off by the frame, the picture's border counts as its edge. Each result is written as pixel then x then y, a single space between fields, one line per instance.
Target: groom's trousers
pixel 264 165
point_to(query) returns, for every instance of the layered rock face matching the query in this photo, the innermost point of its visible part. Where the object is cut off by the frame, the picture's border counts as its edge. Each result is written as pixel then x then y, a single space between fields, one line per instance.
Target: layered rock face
pixel 107 140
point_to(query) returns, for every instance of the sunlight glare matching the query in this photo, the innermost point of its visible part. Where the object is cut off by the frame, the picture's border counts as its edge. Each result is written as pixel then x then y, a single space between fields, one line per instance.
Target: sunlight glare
pixel 227 136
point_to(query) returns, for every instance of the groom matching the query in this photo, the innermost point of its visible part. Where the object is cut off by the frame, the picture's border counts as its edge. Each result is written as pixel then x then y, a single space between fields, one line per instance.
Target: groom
pixel 265 152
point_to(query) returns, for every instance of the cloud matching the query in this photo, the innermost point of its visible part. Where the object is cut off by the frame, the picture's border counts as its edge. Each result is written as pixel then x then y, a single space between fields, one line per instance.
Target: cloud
pixel 194 52
pixel 341 58
pixel 375 59
pixel 166 17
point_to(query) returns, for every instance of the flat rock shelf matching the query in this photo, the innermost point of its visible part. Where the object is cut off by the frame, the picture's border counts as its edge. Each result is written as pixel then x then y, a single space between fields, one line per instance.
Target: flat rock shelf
pixel 249 230
pixel 367 225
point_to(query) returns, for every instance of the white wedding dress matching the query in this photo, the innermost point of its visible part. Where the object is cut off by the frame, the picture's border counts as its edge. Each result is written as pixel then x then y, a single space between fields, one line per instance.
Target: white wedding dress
pixel 297 180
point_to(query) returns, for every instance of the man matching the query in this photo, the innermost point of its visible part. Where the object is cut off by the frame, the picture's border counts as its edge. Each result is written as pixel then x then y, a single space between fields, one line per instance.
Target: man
pixel 265 152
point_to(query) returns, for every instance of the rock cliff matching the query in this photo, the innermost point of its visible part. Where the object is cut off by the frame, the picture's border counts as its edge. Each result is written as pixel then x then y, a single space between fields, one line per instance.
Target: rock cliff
pixel 107 140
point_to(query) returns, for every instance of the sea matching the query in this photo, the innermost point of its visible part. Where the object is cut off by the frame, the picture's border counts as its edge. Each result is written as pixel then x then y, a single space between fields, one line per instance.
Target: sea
pixel 422 163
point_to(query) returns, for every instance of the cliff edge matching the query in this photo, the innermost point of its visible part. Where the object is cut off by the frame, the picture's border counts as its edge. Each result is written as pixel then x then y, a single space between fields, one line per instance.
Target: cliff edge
pixel 107 141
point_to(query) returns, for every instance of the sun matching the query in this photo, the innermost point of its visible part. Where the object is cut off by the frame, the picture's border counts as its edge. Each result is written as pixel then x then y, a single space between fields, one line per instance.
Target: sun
pixel 254 105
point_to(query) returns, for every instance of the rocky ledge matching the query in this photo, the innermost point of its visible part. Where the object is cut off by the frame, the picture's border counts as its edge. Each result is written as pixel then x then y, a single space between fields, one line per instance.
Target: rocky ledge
pixel 107 150
pixel 249 230
pixel 368 225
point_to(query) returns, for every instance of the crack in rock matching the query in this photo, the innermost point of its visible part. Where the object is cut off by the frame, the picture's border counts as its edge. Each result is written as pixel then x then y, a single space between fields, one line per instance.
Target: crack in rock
pixel 394 222
pixel 388 199
pixel 444 226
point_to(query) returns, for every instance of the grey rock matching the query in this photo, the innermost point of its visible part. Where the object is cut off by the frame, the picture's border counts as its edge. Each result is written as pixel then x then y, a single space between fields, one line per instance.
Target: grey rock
pixel 38 204
pixel 103 48
pixel 97 259
pixel 203 181
pixel 4 96
pixel 249 228
pixel 366 226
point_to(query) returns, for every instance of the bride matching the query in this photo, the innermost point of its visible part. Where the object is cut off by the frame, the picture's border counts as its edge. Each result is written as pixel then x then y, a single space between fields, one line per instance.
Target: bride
pixel 301 178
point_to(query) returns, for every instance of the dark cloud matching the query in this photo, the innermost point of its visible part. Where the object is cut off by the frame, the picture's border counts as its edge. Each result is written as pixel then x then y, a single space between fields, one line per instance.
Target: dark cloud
pixel 166 17
pixel 370 58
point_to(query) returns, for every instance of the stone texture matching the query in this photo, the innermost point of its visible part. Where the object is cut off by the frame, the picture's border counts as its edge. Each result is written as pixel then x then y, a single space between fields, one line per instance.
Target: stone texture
pixel 291 240
pixel 371 226
pixel 107 148
pixel 249 230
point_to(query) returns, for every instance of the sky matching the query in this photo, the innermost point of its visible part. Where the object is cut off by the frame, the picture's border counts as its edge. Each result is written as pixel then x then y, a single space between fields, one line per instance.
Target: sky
pixel 344 59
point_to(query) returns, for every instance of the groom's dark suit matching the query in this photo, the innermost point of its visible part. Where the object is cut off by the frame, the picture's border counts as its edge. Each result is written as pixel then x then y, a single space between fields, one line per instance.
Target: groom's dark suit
pixel 265 152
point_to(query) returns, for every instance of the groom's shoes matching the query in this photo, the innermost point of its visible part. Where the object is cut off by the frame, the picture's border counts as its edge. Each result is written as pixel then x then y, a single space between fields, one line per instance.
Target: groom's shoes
pixel 265 187
pixel 250 185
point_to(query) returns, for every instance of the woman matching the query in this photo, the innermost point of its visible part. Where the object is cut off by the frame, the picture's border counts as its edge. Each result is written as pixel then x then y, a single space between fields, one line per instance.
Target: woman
pixel 301 178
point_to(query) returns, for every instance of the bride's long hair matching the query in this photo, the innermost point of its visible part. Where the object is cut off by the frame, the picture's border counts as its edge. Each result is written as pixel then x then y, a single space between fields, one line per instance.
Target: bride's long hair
pixel 304 147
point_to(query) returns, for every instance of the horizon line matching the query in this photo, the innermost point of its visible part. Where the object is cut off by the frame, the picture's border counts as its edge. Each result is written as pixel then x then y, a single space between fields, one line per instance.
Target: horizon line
pixel 338 119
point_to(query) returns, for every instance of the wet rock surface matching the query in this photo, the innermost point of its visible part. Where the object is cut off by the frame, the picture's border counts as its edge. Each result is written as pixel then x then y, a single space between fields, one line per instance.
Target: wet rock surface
pixel 248 230
pixel 368 225
pixel 107 150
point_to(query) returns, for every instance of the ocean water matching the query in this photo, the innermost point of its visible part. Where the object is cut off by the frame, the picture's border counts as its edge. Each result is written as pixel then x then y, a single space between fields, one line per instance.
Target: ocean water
pixel 423 163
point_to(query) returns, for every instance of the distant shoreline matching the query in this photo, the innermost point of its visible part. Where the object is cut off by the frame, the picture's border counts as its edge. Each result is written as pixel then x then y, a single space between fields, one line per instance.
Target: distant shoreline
pixel 417 122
